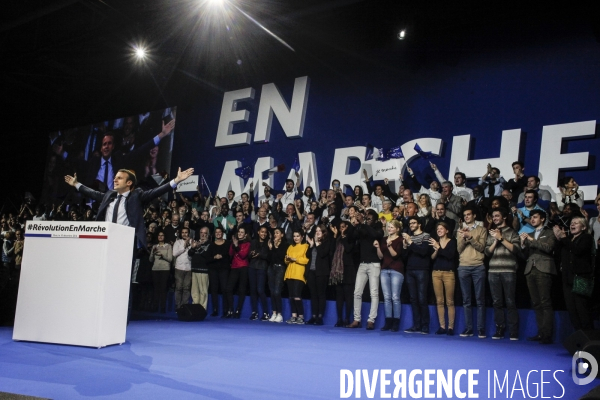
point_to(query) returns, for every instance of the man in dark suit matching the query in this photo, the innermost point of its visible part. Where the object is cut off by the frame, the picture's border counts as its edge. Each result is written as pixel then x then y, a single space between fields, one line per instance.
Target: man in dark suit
pixel 124 204
pixel 539 247
pixel 440 216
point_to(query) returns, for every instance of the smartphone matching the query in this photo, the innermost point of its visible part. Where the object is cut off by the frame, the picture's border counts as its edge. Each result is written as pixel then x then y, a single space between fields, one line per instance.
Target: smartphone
pixel 168 118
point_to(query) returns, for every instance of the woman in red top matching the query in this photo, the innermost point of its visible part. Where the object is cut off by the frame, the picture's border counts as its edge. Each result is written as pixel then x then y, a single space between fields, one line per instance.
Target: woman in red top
pixel 389 250
pixel 239 253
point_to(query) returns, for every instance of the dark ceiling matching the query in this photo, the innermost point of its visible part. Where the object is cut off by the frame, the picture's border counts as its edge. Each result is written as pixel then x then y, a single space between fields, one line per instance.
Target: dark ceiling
pixel 66 63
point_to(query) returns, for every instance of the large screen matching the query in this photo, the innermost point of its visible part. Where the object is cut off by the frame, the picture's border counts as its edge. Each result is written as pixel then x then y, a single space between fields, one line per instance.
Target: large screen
pixel 95 152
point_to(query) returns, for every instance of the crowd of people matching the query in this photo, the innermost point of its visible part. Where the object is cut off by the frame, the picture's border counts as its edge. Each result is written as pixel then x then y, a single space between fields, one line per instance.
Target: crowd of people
pixel 420 237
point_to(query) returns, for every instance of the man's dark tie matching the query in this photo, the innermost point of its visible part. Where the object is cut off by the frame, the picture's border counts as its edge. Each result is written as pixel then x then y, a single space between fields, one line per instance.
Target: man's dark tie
pixel 105 173
pixel 116 209
pixel 491 189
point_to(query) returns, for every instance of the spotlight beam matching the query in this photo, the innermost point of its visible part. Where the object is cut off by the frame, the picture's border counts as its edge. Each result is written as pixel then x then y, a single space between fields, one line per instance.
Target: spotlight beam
pixel 265 29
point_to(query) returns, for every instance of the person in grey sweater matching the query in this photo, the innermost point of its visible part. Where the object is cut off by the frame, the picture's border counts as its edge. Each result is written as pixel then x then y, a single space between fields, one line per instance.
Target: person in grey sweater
pixel 503 246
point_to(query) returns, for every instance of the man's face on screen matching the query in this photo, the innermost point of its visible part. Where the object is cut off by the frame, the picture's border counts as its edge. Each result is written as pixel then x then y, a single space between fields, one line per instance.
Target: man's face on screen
pixel 107 146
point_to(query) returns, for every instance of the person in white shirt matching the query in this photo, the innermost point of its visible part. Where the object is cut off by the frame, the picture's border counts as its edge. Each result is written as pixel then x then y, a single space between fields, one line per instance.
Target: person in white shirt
pixel 183 268
pixel 460 183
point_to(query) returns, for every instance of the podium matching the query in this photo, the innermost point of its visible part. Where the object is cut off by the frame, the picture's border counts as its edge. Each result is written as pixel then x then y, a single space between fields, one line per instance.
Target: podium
pixel 74 285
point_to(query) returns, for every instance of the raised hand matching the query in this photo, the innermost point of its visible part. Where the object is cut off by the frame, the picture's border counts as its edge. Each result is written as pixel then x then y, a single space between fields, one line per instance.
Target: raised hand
pixel 166 128
pixel 71 180
pixel 183 175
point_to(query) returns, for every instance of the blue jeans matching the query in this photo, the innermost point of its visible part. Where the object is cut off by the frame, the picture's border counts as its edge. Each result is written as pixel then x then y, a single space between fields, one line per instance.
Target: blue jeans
pixel 503 286
pixel 418 281
pixel 476 275
pixel 391 286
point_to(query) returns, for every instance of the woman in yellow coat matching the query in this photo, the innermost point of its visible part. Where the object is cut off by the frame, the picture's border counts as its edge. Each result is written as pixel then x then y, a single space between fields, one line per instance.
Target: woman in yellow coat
pixel 296 261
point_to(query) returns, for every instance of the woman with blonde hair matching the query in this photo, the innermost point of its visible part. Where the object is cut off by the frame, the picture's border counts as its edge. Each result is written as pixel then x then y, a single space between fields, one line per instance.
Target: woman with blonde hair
pixel 577 271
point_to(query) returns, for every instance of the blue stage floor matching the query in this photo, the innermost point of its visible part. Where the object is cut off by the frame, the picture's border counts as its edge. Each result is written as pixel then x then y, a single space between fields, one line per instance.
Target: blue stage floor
pixel 242 359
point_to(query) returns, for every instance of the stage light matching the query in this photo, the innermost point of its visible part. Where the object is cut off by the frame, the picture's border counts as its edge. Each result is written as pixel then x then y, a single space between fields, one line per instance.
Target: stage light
pixel 402 34
pixel 140 53
pixel 217 3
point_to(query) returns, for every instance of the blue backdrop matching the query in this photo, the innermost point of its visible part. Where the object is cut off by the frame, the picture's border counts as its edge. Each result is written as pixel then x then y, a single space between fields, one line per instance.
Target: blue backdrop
pixel 482 93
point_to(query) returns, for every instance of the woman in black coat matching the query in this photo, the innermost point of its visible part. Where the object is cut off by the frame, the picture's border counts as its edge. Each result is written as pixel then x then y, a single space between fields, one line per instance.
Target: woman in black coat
pixel 343 272
pixel 576 259
pixel 260 257
pixel 320 254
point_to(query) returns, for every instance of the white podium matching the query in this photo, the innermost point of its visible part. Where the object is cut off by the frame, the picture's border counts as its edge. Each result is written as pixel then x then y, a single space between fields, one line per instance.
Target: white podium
pixel 74 286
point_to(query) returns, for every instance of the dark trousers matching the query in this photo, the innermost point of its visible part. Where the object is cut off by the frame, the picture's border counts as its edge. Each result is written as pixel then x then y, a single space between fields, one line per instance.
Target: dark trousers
pixel 258 281
pixel 578 308
pixel 344 293
pixel 540 285
pixel 275 274
pixel 217 279
pixel 418 281
pixel 503 286
pixel 317 285
pixel 476 276
pixel 295 287
pixel 5 271
pixel 160 280
pixel 239 277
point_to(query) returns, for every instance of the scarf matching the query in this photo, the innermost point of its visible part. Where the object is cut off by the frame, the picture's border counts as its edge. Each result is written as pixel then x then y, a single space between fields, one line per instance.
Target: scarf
pixel 337 264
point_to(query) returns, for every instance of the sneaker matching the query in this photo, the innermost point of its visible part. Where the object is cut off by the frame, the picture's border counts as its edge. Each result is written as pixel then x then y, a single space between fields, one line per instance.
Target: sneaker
pixel 441 331
pixel 278 318
pixel 481 334
pixel 424 331
pixel 311 321
pixel 299 321
pixel 514 336
pixel 499 334
pixel 467 333
pixel 253 316
pixel 292 320
pixel 450 332
pixel 273 316
pixel 412 329
pixel 237 314
pixel 265 317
